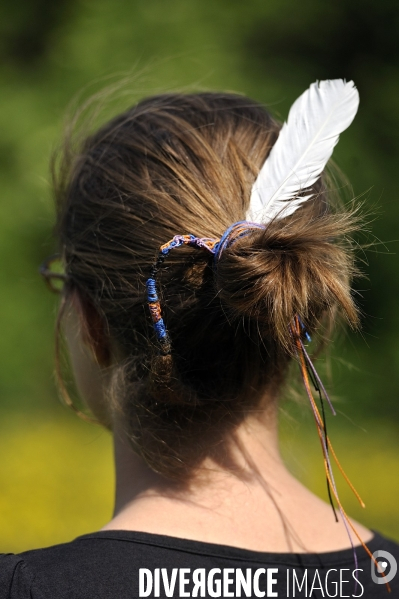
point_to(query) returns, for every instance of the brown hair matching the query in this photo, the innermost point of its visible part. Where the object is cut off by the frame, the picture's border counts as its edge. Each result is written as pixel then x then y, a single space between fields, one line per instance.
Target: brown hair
pixel 176 164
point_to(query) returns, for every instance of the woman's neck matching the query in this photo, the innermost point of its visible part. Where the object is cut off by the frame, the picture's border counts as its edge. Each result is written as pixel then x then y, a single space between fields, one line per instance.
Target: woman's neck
pixel 257 504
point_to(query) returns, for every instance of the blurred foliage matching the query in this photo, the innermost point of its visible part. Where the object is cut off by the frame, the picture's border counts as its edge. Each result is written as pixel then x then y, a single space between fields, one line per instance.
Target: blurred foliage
pixel 272 51
pixel 27 28
pixel 56 483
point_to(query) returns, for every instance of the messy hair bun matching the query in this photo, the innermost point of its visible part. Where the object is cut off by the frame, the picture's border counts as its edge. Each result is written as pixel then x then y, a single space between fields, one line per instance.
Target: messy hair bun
pixel 186 164
pixel 301 265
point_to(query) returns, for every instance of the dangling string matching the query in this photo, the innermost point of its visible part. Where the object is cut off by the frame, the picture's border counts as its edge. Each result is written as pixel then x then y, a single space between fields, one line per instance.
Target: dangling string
pixel 311 368
pixel 306 365
pixel 323 414
pixel 318 385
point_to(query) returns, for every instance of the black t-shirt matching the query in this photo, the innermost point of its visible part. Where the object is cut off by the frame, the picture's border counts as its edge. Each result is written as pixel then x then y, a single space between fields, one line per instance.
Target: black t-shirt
pixel 128 565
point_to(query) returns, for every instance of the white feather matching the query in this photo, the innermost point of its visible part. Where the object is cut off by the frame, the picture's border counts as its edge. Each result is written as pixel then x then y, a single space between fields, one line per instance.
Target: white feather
pixel 303 148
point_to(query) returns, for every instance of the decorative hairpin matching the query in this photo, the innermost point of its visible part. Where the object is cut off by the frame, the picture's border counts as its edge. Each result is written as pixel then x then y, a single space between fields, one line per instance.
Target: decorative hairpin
pixel 296 161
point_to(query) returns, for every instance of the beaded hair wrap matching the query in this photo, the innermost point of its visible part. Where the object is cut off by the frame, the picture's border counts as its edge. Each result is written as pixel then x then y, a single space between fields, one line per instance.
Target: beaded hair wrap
pixel 296 161
pixel 213 246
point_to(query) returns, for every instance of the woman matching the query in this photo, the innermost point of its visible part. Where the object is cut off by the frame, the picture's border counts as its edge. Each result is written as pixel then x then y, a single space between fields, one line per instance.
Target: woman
pixel 198 263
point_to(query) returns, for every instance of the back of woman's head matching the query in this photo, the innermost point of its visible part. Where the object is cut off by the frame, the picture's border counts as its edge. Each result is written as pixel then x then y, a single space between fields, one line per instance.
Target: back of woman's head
pixel 177 164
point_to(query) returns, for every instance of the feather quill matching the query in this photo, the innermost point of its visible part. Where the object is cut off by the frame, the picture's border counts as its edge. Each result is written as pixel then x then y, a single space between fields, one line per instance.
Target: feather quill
pixel 303 148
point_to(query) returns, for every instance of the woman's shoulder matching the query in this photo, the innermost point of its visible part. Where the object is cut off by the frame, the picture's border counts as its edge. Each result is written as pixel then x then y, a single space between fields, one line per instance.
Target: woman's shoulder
pixel 56 571
pixel 21 575
pixel 15 577
pixel 78 568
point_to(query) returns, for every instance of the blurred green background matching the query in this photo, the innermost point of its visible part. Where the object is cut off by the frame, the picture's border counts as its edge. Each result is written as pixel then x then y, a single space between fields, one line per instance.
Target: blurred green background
pixel 55 471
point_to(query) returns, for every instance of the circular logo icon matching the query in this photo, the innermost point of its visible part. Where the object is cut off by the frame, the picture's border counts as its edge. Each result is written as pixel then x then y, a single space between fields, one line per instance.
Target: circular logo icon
pixel 386 567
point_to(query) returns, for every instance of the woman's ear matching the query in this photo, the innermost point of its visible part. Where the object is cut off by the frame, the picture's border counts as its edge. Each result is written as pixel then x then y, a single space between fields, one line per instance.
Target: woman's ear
pixel 90 354
pixel 93 329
